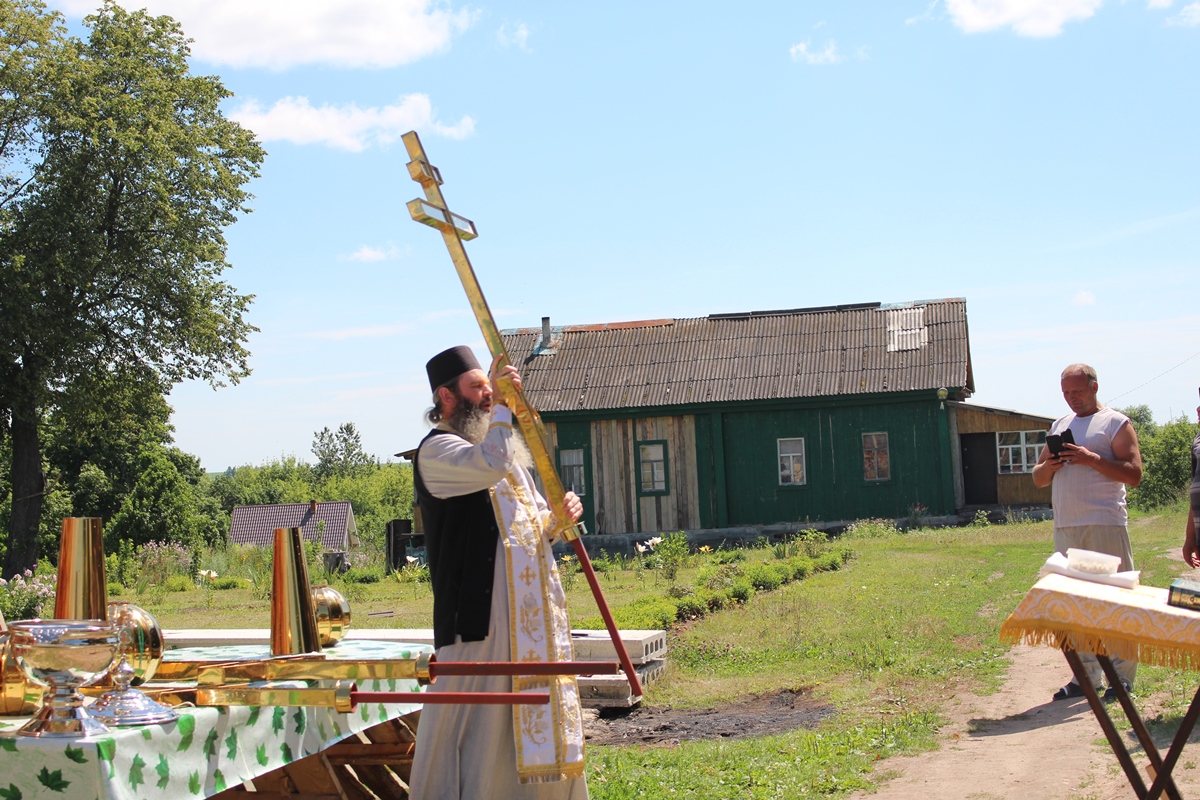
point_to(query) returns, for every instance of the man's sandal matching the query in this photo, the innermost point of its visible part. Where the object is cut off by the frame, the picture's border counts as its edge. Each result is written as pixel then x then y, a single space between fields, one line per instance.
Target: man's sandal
pixel 1069 691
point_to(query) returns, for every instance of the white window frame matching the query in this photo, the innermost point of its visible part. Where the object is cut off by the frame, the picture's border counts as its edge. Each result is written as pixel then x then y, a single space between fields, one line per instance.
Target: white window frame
pixel 1019 456
pixel 789 459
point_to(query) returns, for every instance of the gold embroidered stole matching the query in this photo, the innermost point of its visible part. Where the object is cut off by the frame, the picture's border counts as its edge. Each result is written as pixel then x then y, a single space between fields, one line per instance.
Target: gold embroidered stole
pixel 549 738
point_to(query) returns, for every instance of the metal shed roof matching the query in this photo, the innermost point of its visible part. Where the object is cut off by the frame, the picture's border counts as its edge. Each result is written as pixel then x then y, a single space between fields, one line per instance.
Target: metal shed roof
pixel 859 349
pixel 256 524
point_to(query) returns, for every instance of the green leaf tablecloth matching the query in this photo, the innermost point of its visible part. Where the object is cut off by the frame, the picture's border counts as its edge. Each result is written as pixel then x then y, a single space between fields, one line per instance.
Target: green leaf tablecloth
pixel 205 751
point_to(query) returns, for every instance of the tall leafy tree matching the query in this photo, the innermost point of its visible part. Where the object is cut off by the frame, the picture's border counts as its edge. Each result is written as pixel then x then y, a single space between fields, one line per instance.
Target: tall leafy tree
pixel 120 175
pixel 340 453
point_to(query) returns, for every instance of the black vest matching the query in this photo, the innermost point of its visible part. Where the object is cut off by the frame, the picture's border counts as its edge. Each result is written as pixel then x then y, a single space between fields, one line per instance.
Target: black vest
pixel 460 547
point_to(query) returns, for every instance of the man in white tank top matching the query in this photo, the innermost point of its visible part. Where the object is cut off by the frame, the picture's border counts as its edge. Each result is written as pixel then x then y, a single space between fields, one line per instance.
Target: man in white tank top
pixel 1088 481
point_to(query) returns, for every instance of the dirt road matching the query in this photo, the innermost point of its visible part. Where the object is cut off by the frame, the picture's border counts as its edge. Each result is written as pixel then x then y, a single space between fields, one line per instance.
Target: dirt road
pixel 1019 745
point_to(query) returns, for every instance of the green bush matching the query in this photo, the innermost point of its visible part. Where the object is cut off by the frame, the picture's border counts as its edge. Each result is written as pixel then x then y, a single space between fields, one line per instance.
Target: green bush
pixel 692 607
pixel 729 556
pixel 830 561
pixel 715 600
pixel 801 567
pixel 648 613
pixel 115 588
pixel 764 577
pixel 177 583
pixel 361 575
pixel 223 584
pixel 742 590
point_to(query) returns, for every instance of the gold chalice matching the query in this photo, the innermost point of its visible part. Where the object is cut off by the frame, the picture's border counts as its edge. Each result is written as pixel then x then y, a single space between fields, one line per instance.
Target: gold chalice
pixel 63 655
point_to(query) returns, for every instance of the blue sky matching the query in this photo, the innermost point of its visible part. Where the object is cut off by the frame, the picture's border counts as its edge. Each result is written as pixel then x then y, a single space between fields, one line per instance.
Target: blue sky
pixel 629 161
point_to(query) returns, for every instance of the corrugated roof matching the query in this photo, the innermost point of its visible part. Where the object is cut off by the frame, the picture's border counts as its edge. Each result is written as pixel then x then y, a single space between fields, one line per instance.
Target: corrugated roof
pixel 865 348
pixel 256 524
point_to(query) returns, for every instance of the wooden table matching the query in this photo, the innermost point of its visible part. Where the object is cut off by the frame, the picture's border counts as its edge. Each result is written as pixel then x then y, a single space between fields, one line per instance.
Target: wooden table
pixel 1077 615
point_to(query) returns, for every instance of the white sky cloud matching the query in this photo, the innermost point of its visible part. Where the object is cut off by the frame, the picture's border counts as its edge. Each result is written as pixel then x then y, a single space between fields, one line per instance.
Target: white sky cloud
pixel 279 34
pixel 1188 16
pixel 514 36
pixel 1084 298
pixel 345 127
pixel 1158 3
pixel 1026 17
pixel 369 254
pixel 802 53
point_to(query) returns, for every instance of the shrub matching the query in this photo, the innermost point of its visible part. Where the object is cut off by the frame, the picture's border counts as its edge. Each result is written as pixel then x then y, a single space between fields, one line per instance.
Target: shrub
pixel 871 528
pixel 742 590
pixel 177 583
pixel 114 588
pixel 359 575
pixel 161 560
pixel 830 562
pixel 648 613
pixel 719 577
pixel 673 551
pixel 226 583
pixel 764 577
pixel 801 567
pixel 729 556
pixel 715 600
pixel 25 595
pixel 692 607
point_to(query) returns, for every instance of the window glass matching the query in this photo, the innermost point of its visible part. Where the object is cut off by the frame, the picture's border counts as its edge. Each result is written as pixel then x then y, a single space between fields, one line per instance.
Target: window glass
pixel 1018 451
pixel 876 460
pixel 652 460
pixel 571 470
pixel 791 462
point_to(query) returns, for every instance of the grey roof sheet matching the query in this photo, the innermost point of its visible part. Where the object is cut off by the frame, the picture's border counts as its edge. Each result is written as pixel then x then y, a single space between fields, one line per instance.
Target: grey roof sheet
pixel 256 524
pixel 862 349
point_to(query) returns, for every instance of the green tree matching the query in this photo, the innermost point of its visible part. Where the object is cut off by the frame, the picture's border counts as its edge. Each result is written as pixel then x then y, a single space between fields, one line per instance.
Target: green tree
pixel 1166 465
pixel 120 172
pixel 340 453
pixel 1142 419
pixel 163 507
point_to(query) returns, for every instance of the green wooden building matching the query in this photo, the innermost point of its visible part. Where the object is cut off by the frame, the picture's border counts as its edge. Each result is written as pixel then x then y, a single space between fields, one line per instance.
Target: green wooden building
pixel 763 418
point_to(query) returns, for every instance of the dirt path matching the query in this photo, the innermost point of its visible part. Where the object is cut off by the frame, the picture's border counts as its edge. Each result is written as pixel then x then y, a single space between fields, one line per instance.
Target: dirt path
pixel 1019 744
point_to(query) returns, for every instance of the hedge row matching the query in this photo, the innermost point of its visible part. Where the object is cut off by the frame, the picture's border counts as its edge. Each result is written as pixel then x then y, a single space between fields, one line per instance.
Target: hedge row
pixel 717 586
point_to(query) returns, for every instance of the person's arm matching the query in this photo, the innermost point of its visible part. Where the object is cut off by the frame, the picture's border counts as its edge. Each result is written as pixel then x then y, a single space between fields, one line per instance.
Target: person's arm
pixel 452 466
pixel 1043 471
pixel 1125 465
pixel 1191 549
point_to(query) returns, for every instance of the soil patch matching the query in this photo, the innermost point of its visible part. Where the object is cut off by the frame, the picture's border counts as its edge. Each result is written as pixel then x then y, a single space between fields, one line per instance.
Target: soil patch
pixel 760 715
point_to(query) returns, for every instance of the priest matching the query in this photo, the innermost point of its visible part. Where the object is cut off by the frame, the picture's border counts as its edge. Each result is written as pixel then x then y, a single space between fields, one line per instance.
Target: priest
pixel 496 597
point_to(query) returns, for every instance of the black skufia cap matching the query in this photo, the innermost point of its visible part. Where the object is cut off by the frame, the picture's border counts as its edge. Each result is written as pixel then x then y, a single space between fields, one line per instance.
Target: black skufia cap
pixel 449 364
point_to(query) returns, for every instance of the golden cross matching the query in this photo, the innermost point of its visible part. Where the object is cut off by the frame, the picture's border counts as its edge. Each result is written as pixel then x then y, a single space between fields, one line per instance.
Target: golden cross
pixel 528 575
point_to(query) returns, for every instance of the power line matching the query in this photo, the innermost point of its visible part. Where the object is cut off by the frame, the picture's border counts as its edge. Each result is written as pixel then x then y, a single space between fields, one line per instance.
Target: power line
pixel 1156 377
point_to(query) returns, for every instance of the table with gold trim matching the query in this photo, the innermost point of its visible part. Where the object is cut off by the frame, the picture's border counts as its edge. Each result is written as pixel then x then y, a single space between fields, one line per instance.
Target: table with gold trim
pixel 1078 615
pixel 207 751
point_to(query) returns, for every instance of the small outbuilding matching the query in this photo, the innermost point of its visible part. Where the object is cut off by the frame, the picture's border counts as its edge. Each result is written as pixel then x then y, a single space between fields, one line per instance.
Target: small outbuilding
pixel 331 523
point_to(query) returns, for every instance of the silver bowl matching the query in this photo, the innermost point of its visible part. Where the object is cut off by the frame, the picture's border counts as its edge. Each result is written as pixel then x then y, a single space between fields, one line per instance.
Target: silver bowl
pixel 63 655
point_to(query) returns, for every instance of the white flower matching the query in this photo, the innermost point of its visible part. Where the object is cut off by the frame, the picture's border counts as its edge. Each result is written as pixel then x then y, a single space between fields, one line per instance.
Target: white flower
pixel 411 559
pixel 210 574
pixel 654 541
pixel 641 548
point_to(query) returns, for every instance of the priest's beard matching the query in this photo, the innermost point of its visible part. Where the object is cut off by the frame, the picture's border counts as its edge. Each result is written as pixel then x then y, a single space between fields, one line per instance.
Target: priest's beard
pixel 472 422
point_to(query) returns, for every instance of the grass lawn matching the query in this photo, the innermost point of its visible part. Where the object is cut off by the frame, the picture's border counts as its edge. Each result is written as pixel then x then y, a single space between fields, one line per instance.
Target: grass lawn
pixel 910 620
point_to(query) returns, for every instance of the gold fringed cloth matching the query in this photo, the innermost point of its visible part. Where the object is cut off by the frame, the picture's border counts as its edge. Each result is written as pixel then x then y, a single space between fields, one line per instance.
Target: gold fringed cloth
pixel 1090 617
